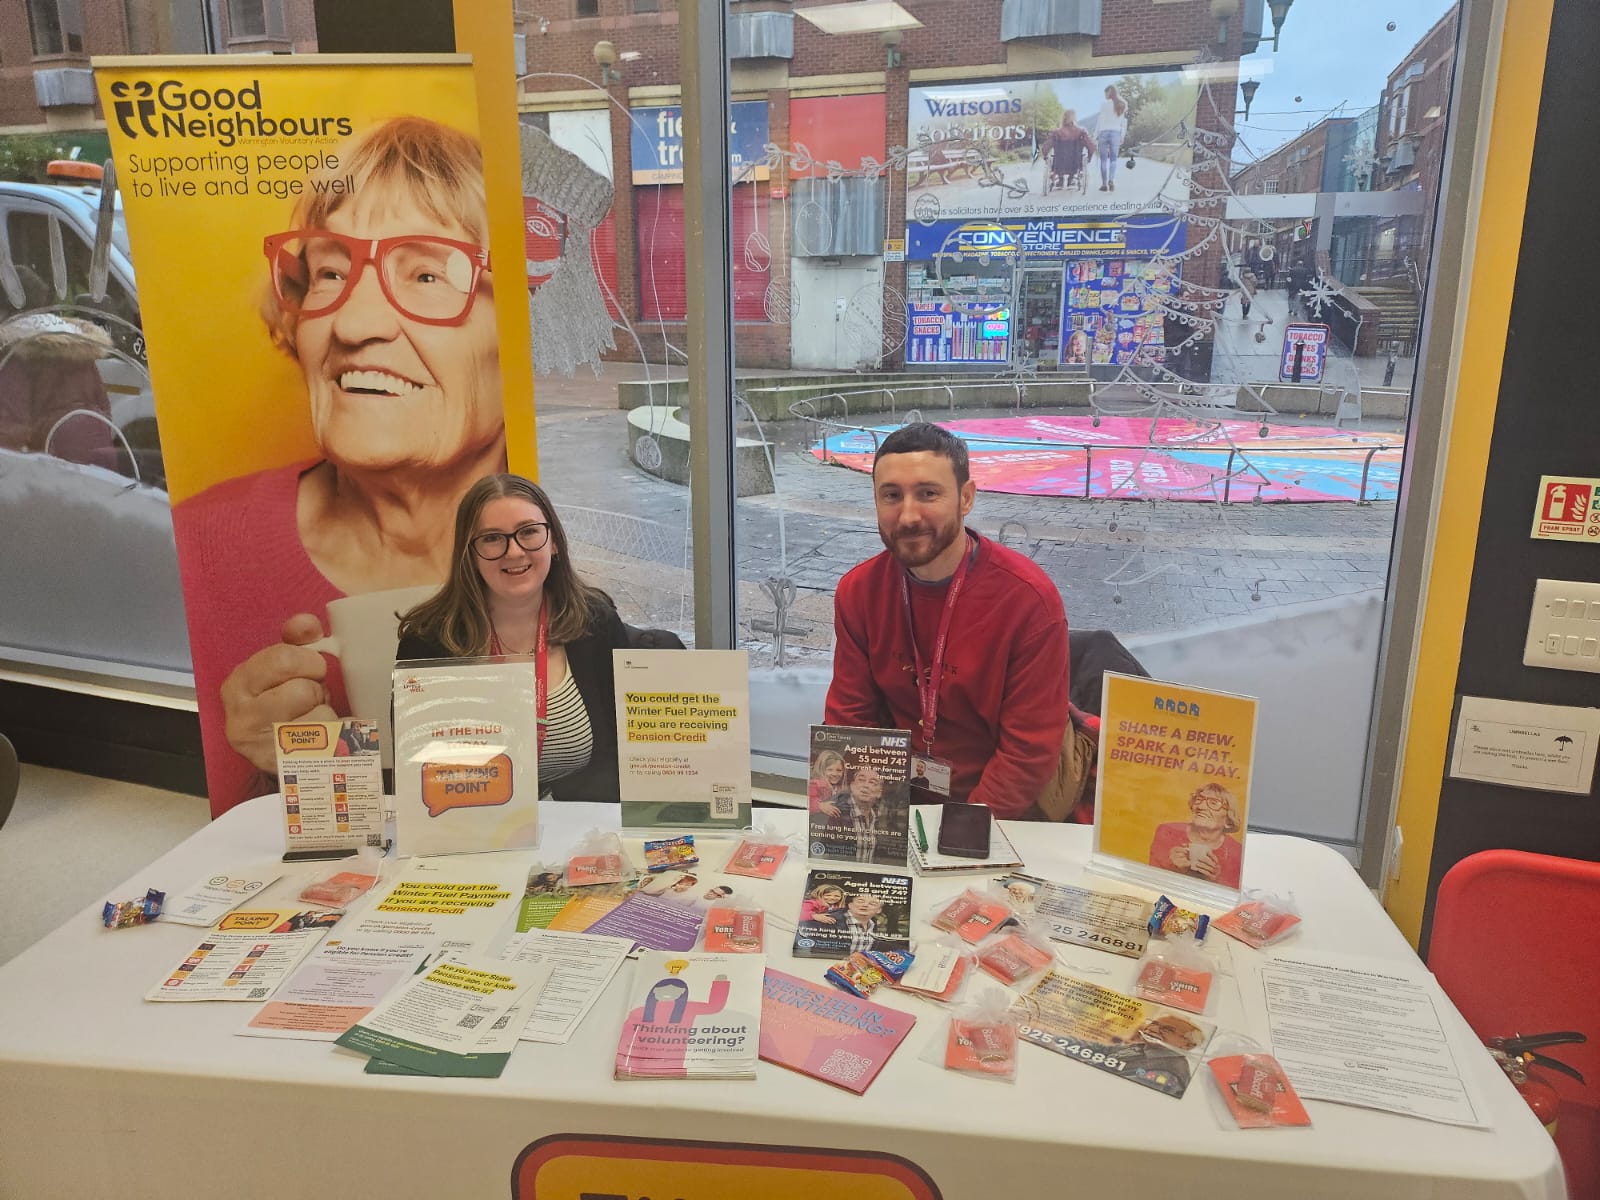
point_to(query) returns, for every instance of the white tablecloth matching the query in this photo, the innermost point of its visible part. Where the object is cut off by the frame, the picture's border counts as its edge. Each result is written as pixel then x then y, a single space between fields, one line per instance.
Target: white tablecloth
pixel 103 1094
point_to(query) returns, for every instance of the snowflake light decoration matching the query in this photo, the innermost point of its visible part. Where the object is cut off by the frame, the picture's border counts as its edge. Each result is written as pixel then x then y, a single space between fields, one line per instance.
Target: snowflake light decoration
pixel 1323 291
pixel 1362 161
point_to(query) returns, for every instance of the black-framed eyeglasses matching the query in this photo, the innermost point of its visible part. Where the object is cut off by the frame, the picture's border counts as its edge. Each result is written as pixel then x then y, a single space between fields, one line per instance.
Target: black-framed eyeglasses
pixel 530 537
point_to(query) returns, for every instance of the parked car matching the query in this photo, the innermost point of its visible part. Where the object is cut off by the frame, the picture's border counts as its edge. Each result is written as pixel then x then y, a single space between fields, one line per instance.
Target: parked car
pixel 88 564
pixel 47 237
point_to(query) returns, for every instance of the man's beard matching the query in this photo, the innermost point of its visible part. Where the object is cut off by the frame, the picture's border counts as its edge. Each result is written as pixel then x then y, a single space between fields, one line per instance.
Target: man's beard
pixel 941 541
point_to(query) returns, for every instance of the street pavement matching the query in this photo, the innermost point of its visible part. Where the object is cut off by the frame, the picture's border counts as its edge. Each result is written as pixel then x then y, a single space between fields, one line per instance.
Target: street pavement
pixel 1135 567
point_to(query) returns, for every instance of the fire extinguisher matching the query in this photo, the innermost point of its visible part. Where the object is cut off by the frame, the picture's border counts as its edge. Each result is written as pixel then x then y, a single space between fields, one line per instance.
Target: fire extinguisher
pixel 1516 1055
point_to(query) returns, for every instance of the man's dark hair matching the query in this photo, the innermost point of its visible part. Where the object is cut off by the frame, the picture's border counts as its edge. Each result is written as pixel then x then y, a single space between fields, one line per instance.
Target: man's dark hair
pixel 924 435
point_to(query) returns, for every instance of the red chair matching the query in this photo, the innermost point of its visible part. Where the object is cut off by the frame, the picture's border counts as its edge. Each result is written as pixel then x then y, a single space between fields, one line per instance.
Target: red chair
pixel 1516 947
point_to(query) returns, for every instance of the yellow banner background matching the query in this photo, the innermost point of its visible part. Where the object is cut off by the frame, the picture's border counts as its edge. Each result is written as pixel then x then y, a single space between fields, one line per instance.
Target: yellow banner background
pixel 228 402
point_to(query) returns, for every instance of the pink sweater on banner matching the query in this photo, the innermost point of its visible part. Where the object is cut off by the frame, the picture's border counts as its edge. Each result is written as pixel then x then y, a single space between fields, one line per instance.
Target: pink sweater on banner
pixel 245 572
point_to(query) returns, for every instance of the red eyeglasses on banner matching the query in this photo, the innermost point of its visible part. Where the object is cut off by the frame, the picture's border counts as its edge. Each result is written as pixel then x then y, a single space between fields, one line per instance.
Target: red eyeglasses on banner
pixel 429 279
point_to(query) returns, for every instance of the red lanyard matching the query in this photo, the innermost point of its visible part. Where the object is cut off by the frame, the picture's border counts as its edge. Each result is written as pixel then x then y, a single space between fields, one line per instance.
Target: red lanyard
pixel 928 688
pixel 541 685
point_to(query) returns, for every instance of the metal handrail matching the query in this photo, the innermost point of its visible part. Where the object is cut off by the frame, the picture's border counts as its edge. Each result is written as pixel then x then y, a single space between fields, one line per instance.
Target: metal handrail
pixel 1088 448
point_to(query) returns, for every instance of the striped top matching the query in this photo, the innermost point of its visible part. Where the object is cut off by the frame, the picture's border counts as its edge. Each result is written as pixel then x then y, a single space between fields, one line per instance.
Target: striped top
pixel 568 737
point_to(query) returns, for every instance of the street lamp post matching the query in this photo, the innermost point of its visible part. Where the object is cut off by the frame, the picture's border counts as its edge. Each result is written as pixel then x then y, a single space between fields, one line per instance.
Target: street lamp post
pixel 1280 10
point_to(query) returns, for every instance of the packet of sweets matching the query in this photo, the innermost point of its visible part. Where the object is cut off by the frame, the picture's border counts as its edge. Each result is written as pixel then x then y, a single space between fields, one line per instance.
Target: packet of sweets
pixel 973 916
pixel 1260 920
pixel 980 1039
pixel 1176 976
pixel 670 854
pixel 339 890
pixel 1017 956
pixel 124 914
pixel 1256 1092
pixel 732 930
pixel 757 860
pixel 760 853
pixel 858 975
pixel 1168 920
pixel 893 963
pixel 598 859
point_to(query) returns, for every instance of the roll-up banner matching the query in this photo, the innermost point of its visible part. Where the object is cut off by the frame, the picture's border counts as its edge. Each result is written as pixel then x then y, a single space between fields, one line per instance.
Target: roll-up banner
pixel 312 242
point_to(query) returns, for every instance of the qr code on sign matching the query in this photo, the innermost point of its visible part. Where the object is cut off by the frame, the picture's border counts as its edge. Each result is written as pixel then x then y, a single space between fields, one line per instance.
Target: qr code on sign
pixel 845 1067
pixel 724 801
pixel 470 1021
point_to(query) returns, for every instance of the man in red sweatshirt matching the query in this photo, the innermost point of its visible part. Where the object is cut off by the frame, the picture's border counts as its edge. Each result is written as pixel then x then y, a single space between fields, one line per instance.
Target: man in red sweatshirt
pixel 950 635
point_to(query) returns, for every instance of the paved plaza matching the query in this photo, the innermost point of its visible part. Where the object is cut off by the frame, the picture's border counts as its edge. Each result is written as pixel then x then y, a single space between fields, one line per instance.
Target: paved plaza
pixel 1136 567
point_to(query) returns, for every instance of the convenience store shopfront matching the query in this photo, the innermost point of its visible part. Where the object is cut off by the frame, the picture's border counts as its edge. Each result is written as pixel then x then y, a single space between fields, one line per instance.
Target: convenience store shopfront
pixel 1066 294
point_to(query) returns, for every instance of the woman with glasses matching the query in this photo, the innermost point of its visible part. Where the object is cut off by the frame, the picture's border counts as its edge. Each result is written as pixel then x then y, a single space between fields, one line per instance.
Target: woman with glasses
pixel 512 591
pixel 1202 845
pixel 379 289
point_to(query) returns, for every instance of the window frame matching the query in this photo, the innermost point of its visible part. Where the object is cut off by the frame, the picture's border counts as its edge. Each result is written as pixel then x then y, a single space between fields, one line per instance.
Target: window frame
pixel 274 26
pixel 68 26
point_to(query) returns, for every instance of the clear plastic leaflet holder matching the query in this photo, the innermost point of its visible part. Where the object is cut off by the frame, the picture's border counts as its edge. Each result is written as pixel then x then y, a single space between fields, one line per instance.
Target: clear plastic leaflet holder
pixel 466 755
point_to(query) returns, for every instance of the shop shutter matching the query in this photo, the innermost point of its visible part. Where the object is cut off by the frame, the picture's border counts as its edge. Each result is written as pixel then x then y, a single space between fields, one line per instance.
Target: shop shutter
pixel 661 255
pixel 659 227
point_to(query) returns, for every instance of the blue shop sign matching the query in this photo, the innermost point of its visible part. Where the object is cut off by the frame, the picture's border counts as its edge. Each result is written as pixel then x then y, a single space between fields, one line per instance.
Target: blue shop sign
pixel 1046 238
pixel 657 143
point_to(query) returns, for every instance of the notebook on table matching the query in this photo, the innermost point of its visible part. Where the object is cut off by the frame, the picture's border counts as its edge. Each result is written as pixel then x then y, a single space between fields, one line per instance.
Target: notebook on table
pixel 1002 854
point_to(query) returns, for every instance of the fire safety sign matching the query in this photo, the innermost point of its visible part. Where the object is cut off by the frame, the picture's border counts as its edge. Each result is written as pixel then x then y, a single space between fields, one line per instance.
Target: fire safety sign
pixel 1566 509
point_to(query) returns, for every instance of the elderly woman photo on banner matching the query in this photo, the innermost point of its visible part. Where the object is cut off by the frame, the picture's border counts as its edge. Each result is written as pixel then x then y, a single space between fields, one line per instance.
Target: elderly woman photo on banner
pixel 384 299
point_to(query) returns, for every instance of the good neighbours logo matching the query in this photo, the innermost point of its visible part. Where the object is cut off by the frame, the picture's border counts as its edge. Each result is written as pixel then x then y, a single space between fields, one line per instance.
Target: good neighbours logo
pixel 173 108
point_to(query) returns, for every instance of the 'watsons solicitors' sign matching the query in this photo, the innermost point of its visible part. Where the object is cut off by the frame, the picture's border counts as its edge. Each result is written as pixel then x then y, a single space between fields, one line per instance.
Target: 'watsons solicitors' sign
pixel 961 135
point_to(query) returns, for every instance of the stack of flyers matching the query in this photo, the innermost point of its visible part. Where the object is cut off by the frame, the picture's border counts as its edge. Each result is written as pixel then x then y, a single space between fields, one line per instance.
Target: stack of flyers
pixel 851 912
pixel 245 955
pixel 820 1032
pixel 460 1018
pixel 341 982
pixel 581 967
pixel 696 1016
pixel 207 900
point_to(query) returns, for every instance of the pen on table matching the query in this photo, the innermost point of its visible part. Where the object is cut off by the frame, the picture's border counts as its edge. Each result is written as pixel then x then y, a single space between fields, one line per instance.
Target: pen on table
pixel 922 834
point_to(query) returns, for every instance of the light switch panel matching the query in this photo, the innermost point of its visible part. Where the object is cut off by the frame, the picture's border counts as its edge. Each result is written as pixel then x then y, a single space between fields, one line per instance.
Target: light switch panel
pixel 1564 628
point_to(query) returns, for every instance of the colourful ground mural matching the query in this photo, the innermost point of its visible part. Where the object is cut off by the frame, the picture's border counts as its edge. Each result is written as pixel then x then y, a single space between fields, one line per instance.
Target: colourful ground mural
pixel 1160 458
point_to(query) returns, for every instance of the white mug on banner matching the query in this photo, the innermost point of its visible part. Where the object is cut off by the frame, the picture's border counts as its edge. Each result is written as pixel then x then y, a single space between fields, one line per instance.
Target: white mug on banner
pixel 364 633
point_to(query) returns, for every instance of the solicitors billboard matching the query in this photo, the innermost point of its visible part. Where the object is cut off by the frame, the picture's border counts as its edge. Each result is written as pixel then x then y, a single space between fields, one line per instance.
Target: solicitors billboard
pixel 1101 144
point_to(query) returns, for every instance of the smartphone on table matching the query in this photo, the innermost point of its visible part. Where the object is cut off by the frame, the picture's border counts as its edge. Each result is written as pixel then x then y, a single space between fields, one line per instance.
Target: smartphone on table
pixel 964 830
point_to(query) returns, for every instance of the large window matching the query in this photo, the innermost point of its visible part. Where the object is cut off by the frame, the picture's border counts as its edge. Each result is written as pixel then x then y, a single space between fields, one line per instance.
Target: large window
pixel 56 27
pixel 1089 274
pixel 1074 272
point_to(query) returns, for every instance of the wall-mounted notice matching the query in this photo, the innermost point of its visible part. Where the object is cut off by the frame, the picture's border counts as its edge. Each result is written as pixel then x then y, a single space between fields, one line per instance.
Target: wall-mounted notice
pixel 331 777
pixel 1173 794
pixel 683 737
pixel 1548 747
pixel 1566 511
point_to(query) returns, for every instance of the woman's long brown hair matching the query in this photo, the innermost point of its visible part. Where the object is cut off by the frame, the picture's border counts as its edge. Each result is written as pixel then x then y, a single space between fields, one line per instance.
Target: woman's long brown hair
pixel 458 616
